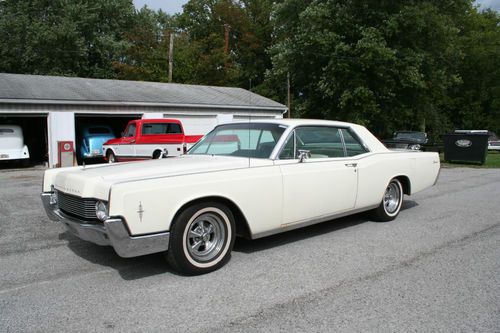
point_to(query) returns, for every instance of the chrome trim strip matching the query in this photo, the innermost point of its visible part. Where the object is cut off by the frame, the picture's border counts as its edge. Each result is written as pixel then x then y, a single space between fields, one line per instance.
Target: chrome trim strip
pixel 305 223
pixel 111 232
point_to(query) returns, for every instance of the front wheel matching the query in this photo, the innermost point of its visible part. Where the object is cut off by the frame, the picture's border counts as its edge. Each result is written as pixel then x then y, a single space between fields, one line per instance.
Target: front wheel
pixel 111 157
pixel 391 203
pixel 201 238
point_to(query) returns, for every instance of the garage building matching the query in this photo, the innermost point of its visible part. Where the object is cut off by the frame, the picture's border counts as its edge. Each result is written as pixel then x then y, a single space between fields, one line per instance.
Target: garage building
pixel 51 109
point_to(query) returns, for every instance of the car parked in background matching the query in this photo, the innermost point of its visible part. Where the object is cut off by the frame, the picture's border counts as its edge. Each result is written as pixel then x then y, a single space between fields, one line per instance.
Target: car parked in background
pixel 493 142
pixel 411 140
pixel 12 147
pixel 149 139
pixel 92 139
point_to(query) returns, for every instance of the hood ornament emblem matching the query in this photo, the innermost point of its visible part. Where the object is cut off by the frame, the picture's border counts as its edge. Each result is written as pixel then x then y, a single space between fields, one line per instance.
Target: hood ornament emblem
pixel 140 211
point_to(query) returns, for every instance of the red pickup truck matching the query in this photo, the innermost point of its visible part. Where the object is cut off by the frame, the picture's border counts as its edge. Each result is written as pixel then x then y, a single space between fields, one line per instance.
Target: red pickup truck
pixel 149 138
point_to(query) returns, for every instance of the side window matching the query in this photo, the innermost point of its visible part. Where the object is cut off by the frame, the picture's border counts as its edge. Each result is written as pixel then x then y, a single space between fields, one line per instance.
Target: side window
pixel 288 152
pixel 320 141
pixel 130 130
pixel 352 144
pixel 161 128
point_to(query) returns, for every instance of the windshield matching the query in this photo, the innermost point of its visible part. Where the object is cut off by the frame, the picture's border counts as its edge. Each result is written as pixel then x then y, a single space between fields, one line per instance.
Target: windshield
pixel 415 136
pixel 242 139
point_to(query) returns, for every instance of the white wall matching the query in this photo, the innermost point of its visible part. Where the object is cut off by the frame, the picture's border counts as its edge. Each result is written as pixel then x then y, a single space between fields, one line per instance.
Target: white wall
pixel 195 124
pixel 61 127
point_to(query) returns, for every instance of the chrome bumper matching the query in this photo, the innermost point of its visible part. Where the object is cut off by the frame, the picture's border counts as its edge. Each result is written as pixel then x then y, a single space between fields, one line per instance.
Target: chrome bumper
pixel 111 232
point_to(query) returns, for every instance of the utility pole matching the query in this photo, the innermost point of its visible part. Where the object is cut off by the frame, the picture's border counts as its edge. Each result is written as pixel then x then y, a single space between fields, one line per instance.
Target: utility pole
pixel 171 57
pixel 227 28
pixel 289 99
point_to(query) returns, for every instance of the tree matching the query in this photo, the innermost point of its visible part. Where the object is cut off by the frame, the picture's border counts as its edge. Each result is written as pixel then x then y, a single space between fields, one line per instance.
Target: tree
pixel 388 65
pixel 475 104
pixel 80 38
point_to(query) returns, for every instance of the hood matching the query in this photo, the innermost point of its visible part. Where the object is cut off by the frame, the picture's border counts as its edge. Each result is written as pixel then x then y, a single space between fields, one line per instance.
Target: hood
pixel 96 181
pixel 113 141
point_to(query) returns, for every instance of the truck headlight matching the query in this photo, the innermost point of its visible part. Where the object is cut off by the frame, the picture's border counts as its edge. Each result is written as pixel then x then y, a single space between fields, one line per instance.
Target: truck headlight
pixel 101 210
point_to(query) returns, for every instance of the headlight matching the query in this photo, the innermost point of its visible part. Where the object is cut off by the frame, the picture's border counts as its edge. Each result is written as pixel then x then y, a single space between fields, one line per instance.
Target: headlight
pixel 101 210
pixel 414 147
pixel 53 196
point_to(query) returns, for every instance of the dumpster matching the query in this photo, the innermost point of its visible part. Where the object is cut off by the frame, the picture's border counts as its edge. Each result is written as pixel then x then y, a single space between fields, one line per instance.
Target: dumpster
pixel 466 145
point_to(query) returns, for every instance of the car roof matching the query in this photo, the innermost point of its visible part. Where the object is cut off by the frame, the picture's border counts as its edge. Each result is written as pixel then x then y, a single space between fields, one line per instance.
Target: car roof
pixel 297 122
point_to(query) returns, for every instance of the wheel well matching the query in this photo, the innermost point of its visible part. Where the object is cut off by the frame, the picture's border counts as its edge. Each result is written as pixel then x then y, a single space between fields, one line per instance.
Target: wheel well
pixel 242 229
pixel 108 150
pixel 405 182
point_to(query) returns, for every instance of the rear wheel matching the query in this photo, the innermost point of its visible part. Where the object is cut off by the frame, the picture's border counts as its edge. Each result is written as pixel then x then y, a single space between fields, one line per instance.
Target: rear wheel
pixel 158 154
pixel 391 203
pixel 201 238
pixel 111 157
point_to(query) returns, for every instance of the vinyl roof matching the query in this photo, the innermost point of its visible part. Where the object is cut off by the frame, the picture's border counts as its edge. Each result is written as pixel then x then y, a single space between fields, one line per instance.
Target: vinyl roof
pixel 49 89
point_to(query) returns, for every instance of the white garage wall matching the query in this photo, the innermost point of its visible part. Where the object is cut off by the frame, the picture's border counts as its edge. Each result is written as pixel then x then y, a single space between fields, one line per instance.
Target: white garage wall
pixel 195 124
pixel 61 127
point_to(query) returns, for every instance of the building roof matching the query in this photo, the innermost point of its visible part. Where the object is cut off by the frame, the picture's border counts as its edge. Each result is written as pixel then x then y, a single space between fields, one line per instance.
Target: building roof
pixel 19 88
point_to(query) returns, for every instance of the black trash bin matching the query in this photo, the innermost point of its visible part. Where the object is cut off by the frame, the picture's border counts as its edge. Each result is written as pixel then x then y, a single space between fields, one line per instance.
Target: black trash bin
pixel 467 146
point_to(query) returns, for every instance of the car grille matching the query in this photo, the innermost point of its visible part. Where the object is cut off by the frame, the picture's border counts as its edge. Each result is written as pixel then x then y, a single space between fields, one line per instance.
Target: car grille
pixel 77 207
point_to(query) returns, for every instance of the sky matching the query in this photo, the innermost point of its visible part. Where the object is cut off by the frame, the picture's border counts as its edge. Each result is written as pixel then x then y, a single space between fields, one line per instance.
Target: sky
pixel 169 6
pixel 175 6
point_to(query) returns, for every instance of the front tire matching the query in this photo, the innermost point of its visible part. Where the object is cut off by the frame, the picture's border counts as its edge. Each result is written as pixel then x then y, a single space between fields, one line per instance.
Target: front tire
pixel 201 238
pixel 391 203
pixel 111 157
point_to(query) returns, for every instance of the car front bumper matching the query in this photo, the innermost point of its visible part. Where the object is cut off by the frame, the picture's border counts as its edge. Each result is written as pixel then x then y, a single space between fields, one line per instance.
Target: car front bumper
pixel 111 232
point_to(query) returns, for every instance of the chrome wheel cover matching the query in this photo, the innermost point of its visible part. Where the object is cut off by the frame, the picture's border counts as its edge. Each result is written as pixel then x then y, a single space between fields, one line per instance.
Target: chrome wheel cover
pixel 392 198
pixel 206 236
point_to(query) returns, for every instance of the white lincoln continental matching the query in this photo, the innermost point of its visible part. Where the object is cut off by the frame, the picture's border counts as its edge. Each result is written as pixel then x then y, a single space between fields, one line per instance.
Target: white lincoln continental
pixel 250 179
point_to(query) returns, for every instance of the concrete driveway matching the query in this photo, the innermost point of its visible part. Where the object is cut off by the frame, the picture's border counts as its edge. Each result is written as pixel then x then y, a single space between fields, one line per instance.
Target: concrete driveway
pixel 435 269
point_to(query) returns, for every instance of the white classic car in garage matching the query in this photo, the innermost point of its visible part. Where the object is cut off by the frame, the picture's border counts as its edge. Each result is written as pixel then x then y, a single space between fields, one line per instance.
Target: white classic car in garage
pixel 12 147
pixel 248 179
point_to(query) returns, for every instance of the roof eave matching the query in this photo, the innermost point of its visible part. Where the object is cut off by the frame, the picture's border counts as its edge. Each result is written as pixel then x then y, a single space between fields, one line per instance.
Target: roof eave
pixel 280 109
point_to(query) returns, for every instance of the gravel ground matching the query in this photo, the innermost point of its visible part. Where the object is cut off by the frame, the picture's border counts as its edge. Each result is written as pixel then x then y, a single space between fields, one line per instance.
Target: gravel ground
pixel 435 269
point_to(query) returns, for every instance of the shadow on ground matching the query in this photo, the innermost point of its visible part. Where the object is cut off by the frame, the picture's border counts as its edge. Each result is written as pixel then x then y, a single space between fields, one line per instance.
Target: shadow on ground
pixel 154 264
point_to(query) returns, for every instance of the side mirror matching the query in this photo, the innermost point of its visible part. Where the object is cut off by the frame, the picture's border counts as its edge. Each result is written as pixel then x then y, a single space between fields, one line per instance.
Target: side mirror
pixel 303 155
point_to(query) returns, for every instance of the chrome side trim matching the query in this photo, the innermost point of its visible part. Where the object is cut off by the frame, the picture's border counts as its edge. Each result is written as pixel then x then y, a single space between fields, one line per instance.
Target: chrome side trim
pixel 111 232
pixel 305 223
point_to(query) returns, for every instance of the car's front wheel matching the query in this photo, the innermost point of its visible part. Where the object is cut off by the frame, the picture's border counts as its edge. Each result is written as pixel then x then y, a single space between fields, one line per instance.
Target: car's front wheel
pixel 201 238
pixel 391 203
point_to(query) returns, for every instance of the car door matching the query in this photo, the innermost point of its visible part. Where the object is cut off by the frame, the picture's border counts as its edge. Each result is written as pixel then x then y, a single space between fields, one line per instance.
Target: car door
pixel 324 183
pixel 126 148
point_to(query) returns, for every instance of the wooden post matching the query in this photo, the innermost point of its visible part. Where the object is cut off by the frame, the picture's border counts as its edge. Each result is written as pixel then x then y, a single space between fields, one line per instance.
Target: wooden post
pixel 289 99
pixel 171 57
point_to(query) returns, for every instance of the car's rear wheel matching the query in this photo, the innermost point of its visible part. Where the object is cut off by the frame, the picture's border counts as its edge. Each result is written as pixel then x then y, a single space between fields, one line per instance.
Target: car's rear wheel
pixel 111 157
pixel 201 238
pixel 391 203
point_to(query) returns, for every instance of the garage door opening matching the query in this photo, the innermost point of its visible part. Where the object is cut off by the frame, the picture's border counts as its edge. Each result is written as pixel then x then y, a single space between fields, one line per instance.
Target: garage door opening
pixel 34 132
pixel 96 125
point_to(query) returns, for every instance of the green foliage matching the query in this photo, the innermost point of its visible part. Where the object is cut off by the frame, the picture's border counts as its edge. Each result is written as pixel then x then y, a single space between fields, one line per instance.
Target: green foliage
pixel 387 65
pixel 61 37
pixel 391 65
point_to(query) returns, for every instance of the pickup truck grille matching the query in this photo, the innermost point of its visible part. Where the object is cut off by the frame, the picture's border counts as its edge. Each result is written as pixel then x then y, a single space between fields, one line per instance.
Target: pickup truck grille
pixel 77 207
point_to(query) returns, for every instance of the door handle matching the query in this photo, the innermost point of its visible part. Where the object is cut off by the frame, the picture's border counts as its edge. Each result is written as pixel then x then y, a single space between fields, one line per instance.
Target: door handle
pixel 352 165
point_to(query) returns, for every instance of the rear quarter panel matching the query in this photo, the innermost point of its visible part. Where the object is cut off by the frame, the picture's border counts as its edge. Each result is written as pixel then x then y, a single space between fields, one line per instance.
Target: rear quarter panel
pixel 376 170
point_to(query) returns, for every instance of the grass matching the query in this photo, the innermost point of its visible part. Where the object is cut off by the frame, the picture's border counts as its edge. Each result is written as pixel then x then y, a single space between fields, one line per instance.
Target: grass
pixel 492 161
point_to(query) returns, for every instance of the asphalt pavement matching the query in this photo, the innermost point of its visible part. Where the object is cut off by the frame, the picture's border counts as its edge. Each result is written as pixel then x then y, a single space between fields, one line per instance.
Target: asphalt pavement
pixel 436 268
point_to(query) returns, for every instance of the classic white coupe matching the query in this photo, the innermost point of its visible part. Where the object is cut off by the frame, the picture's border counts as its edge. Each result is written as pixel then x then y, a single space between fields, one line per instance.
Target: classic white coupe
pixel 249 179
